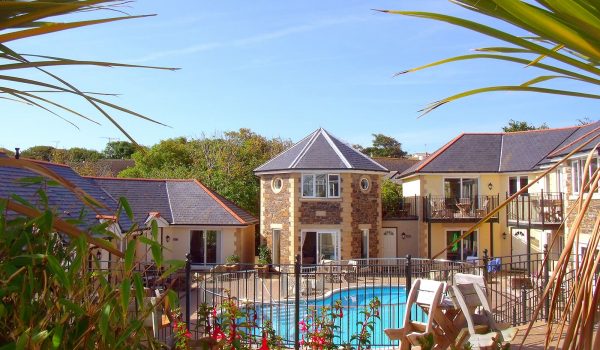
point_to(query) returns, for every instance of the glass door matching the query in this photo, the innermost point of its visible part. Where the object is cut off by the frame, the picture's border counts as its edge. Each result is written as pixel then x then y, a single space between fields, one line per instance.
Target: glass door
pixel 204 246
pixel 327 246
pixel 463 249
pixel 319 245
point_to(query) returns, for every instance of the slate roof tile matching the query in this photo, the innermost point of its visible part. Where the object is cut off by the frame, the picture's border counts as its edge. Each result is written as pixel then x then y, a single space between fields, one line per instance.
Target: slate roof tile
pixel 320 150
pixel 64 202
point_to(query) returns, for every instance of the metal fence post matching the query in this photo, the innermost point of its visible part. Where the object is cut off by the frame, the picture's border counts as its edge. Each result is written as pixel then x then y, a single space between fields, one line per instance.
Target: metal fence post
pixel 297 303
pixel 188 289
pixel 485 265
pixel 408 277
pixel 546 280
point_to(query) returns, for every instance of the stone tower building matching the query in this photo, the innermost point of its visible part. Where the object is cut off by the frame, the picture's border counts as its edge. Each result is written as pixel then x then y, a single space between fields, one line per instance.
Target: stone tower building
pixel 321 199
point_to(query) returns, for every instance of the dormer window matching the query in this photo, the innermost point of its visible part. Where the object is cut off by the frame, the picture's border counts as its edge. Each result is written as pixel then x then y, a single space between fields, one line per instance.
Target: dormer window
pixel 320 185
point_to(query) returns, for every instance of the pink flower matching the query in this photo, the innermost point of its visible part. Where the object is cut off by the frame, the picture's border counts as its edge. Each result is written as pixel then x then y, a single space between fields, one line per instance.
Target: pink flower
pixel 188 334
pixel 341 313
pixel 303 327
pixel 214 312
pixel 301 342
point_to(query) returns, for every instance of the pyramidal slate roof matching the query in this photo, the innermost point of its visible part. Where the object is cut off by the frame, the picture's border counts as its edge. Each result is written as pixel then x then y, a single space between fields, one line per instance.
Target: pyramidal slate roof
pixel 505 152
pixel 179 202
pixel 320 151
pixel 62 201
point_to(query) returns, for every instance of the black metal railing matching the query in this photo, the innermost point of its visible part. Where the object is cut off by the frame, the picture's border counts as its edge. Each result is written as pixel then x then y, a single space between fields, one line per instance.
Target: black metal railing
pixel 405 209
pixel 448 209
pixel 282 294
pixel 536 209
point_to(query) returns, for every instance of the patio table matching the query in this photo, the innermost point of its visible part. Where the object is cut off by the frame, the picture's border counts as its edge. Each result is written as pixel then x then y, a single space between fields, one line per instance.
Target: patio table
pixel 464 208
pixel 446 317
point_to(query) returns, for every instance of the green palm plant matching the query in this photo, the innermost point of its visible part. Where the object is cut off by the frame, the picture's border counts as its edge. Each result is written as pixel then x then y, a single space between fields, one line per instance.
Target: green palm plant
pixel 564 32
pixel 20 20
pixel 563 40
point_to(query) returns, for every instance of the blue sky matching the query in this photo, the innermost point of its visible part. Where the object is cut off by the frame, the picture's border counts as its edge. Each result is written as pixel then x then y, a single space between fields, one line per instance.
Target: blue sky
pixel 283 69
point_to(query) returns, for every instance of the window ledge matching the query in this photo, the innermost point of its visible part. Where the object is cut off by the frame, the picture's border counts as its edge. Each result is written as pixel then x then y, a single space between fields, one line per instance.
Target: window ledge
pixel 320 199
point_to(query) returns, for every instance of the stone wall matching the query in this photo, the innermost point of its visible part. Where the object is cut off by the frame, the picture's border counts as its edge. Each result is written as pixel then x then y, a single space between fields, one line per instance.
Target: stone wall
pixel 327 212
pixel 366 212
pixel 587 224
pixel 276 213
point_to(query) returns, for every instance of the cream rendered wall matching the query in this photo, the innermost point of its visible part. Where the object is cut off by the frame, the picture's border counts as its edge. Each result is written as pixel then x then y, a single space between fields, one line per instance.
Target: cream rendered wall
pixel 411 186
pixel 439 237
pixel 179 245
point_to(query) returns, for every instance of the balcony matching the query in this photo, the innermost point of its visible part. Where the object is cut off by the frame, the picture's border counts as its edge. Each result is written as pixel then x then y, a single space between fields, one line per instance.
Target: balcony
pixel 536 209
pixel 406 209
pixel 450 209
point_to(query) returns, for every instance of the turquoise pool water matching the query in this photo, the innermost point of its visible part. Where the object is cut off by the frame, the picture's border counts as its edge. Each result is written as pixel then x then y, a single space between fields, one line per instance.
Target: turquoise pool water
pixel 354 300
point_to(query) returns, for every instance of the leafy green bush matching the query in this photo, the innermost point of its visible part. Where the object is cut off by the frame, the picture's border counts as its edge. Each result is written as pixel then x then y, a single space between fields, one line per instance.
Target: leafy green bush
pixel 264 255
pixel 56 294
pixel 233 259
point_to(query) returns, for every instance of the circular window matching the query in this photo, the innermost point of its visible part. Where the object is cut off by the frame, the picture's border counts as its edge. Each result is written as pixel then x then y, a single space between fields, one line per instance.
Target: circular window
pixel 364 184
pixel 277 184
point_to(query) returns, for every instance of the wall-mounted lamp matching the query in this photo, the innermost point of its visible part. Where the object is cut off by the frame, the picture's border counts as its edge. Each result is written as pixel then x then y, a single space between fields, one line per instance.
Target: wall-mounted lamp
pixel 403 235
pixel 504 235
pixel 98 254
pixel 168 238
pixel 490 186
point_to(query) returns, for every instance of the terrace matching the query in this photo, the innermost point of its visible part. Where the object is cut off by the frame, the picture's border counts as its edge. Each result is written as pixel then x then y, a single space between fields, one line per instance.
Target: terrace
pixel 536 210
pixel 284 294
pixel 454 209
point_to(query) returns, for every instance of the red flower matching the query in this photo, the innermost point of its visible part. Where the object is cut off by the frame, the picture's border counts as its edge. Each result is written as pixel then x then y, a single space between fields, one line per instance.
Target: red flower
pixel 265 343
pixel 341 313
pixel 188 334
pixel 214 312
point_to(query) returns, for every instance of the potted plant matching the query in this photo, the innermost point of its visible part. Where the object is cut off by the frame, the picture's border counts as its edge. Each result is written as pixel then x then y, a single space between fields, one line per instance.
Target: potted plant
pixel 264 261
pixel 232 262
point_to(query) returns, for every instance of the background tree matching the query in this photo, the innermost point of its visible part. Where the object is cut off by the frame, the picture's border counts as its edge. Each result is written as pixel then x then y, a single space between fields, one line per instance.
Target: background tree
pixel 391 198
pixel 224 162
pixel 515 125
pixel 119 150
pixel 38 152
pixel 384 146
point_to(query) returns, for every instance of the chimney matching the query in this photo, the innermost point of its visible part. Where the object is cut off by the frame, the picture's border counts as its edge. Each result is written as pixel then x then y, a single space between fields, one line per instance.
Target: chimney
pixel 17 155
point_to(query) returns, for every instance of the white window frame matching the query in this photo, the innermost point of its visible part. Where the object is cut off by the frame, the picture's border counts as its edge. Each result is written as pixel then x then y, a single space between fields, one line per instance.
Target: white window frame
pixel 276 249
pixel 328 185
pixel 577 165
pixel 461 183
pixel 336 237
pixel 518 176
pixel 364 233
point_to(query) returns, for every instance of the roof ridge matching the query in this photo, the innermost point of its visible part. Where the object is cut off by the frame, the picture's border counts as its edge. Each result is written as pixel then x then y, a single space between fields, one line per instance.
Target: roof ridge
pixel 543 130
pixel 136 179
pixel 553 153
pixel 501 152
pixel 169 201
pixel 45 162
pixel 282 152
pixel 313 136
pixel 336 149
pixel 360 153
pixel 210 193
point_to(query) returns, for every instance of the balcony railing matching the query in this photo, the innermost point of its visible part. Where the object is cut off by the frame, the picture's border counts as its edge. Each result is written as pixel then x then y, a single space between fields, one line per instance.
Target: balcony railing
pixel 405 209
pixel 536 209
pixel 448 209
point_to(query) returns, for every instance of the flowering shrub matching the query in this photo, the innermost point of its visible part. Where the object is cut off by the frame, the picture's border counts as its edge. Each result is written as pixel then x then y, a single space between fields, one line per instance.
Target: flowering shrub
pixel 367 325
pixel 181 335
pixel 318 328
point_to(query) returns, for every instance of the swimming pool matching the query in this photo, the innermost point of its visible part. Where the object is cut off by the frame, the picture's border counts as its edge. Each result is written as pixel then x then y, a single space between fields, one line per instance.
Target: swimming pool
pixel 393 299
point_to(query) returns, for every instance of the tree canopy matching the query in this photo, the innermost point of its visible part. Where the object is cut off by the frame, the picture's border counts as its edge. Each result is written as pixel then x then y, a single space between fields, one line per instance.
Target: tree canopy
pixel 223 162
pixel 515 125
pixel 119 150
pixel 384 146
